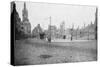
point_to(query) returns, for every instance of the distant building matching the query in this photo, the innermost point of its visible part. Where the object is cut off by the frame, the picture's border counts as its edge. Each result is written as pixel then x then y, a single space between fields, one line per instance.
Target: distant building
pixel 25 25
pixel 37 31
pixel 68 33
pixel 51 32
pixel 62 28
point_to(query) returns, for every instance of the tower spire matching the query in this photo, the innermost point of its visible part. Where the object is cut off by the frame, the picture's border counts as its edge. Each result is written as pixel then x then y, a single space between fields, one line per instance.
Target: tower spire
pixel 24 5
pixel 25 13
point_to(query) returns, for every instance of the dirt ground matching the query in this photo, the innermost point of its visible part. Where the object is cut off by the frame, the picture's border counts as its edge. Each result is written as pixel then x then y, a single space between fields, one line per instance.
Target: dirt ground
pixel 33 51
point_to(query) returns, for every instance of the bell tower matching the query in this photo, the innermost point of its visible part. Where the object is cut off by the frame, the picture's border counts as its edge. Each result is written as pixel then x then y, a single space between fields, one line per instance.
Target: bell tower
pixel 25 21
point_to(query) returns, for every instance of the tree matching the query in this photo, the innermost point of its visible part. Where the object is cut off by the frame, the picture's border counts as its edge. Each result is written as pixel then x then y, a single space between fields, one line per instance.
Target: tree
pixel 42 35
pixel 15 21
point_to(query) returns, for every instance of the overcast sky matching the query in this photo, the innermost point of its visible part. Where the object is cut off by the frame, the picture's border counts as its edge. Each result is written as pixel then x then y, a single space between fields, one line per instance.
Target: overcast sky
pixel 39 13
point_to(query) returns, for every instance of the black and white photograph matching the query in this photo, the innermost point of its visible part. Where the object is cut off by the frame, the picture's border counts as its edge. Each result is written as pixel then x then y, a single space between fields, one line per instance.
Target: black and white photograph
pixel 50 33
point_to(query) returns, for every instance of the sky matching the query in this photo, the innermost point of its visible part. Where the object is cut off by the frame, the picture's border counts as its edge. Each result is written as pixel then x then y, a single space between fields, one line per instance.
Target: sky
pixel 39 13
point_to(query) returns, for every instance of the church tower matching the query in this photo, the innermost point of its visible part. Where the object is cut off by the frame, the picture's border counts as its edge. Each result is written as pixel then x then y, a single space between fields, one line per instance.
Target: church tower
pixel 25 21
pixel 25 13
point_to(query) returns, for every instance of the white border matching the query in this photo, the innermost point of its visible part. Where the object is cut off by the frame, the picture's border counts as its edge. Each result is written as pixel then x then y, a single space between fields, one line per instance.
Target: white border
pixel 5 33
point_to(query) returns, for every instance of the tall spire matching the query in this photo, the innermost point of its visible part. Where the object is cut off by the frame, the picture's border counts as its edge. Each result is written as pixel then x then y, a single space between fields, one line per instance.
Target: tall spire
pixel 24 5
pixel 25 13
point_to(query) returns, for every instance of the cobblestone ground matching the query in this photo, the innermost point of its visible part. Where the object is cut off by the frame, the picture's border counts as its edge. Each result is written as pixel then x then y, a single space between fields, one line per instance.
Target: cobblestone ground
pixel 32 51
